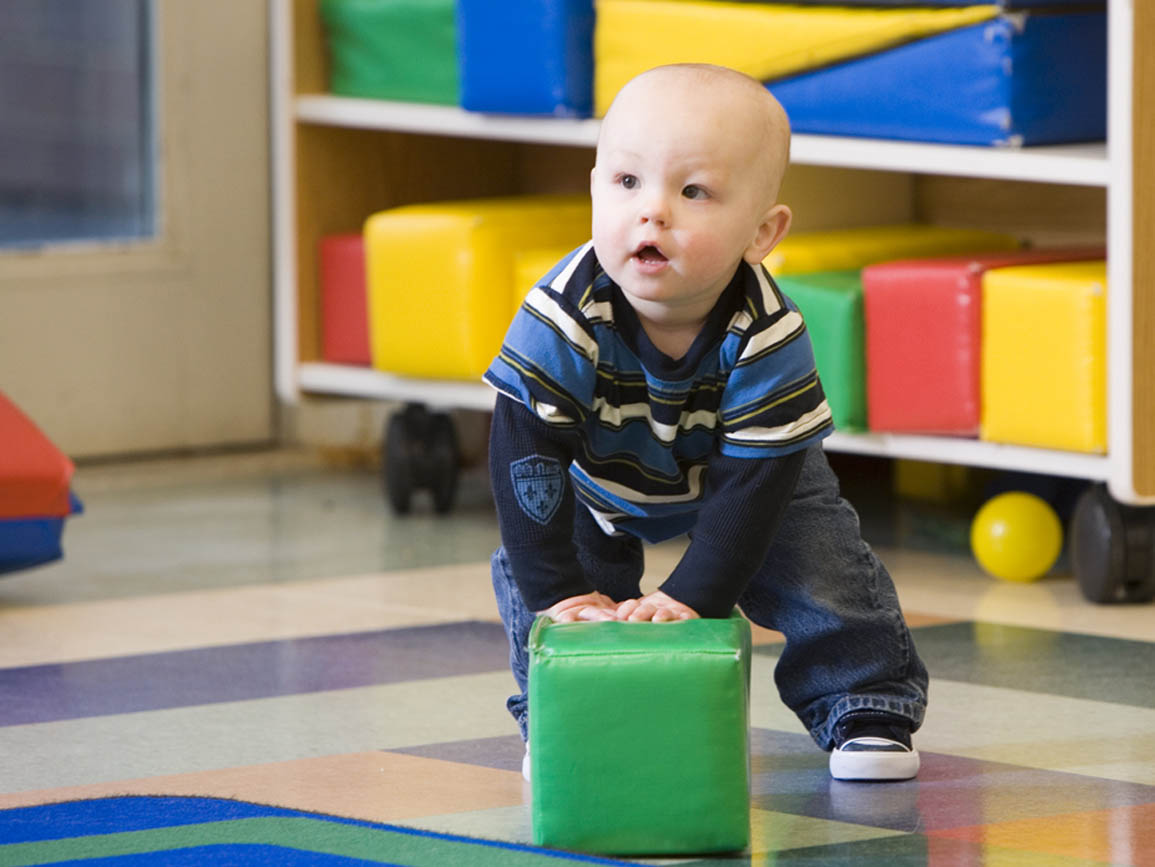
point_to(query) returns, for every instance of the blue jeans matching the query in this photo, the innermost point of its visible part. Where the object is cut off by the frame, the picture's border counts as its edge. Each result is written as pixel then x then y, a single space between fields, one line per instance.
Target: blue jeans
pixel 847 648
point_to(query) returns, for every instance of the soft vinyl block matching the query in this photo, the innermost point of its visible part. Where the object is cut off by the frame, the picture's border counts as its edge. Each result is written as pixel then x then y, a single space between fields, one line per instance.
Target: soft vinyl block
pixel 839 249
pixel 530 266
pixel 1044 357
pixel 923 339
pixel 34 473
pixel 441 277
pixel 344 317
pixel 527 56
pixel 639 735
pixel 831 305
pixel 398 49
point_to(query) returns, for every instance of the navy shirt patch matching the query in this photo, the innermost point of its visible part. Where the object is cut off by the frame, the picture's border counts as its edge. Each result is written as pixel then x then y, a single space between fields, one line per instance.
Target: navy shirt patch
pixel 538 484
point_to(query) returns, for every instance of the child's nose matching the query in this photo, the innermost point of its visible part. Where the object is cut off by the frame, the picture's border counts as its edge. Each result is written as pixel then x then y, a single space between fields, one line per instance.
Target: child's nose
pixel 654 209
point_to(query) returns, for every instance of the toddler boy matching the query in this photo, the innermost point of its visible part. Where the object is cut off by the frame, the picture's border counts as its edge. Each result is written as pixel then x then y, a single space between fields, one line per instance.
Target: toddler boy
pixel 655 383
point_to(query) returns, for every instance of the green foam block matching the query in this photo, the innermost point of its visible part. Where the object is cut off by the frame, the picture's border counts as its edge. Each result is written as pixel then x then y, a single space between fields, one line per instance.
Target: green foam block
pixel 640 736
pixel 831 304
pixel 393 49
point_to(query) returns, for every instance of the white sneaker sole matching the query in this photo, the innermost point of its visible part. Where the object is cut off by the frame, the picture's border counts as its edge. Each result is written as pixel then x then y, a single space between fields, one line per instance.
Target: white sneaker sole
pixel 525 766
pixel 874 765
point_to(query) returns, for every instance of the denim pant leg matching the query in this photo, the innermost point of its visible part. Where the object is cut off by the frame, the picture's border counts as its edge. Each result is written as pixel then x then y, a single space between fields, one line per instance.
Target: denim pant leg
pixel 613 564
pixel 847 645
pixel 517 619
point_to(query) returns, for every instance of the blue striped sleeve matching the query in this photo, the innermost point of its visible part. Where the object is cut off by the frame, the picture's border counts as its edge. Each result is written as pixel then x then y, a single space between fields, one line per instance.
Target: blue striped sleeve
pixel 548 361
pixel 773 403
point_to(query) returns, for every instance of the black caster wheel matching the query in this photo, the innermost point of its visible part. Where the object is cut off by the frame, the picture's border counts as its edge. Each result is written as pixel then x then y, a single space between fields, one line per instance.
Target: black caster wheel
pixel 397 461
pixel 420 452
pixel 1112 548
pixel 444 458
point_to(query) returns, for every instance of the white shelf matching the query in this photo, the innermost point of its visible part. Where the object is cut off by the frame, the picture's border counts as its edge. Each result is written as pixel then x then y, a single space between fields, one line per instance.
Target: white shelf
pixel 446 394
pixel 1079 165
pixel 955 450
pixel 443 120
pixel 350 381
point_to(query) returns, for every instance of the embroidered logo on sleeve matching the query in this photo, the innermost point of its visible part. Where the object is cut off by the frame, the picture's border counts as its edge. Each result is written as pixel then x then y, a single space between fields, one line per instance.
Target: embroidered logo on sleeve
pixel 538 484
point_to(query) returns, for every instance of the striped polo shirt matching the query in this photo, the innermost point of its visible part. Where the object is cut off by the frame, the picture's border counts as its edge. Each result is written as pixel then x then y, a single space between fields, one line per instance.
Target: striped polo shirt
pixel 577 357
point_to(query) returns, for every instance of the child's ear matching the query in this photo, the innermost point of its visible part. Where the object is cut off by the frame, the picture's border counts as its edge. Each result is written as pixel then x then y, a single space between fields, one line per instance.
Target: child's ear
pixel 773 228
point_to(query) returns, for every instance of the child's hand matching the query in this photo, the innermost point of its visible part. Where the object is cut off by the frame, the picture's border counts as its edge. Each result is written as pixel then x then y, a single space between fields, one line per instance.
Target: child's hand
pixel 656 607
pixel 588 606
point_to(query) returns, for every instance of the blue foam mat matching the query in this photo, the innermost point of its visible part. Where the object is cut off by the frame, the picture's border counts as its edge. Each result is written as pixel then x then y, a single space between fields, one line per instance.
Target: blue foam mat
pixel 1019 79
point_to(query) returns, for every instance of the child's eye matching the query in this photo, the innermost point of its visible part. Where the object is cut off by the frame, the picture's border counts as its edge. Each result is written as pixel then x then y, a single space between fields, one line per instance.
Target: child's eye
pixel 629 182
pixel 693 191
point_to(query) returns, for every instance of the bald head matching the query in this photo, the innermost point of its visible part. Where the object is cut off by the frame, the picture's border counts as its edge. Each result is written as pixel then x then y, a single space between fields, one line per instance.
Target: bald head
pixel 710 95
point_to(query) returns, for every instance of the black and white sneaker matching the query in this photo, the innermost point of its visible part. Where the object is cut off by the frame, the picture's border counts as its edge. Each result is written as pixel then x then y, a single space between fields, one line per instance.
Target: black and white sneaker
pixel 873 747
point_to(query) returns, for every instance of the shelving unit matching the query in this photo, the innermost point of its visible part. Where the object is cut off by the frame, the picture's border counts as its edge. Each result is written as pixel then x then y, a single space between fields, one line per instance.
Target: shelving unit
pixel 1079 164
pixel 313 129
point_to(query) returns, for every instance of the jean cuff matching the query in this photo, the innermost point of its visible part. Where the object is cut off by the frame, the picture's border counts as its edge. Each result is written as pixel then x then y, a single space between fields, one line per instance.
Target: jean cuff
pixel 823 734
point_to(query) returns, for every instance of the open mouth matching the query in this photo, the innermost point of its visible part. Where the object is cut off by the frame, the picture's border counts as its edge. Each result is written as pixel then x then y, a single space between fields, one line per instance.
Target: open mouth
pixel 649 254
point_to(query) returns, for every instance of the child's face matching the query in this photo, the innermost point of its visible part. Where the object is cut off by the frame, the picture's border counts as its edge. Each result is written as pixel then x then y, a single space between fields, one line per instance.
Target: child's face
pixel 679 192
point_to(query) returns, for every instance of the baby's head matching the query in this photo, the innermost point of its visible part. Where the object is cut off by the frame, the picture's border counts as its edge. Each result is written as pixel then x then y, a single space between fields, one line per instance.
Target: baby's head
pixel 689 164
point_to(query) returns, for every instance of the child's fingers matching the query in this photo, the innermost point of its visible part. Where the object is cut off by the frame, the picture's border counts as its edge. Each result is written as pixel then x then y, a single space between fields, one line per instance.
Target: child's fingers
pixel 625 609
pixel 592 612
pixel 644 612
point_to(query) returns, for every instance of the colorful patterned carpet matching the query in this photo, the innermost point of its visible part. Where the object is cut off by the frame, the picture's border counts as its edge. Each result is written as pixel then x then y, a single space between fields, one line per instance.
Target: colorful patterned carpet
pixel 262 668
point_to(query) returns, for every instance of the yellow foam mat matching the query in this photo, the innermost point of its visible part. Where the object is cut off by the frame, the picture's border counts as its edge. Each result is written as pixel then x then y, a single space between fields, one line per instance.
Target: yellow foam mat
pixel 766 41
pixel 440 277
pixel 842 249
pixel 1044 356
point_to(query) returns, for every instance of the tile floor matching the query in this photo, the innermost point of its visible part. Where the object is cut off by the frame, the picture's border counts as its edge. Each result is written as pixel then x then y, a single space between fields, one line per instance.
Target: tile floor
pixel 259 627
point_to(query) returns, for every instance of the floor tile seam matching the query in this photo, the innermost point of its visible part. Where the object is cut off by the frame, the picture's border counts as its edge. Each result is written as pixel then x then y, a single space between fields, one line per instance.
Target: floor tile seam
pixel 1050 629
pixel 260 642
pixel 229 783
pixel 1138 632
pixel 977 756
pixel 772 651
pixel 877 830
pixel 233 702
pixel 449 619
pixel 1068 629
pixel 974 754
pixel 978 753
pixel 295 586
pixel 438 611
pixel 859 852
pixel 81 608
pixel 1023 690
pixel 367 691
pixel 927 755
pixel 1097 704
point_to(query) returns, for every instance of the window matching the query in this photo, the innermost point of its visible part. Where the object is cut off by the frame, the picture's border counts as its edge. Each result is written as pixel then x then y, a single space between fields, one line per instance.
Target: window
pixel 77 122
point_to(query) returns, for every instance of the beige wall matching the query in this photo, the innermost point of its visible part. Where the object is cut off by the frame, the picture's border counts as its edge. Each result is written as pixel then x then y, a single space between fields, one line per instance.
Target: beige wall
pixel 164 345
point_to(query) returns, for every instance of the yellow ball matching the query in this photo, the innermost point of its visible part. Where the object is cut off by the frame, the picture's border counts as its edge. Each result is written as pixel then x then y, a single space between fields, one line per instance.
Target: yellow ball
pixel 1016 536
